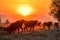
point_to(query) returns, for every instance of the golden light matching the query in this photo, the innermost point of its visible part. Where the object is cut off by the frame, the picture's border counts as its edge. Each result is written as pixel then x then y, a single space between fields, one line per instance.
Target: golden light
pixel 25 9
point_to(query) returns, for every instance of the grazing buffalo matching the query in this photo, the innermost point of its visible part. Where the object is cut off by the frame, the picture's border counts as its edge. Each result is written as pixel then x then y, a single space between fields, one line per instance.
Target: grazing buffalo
pixel 56 25
pixel 14 26
pixel 44 24
pixel 48 24
pixel 10 29
pixel 30 24
pixel 38 23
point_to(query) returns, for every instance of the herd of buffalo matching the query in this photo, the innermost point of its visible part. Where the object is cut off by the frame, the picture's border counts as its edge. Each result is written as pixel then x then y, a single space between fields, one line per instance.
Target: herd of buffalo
pixel 18 24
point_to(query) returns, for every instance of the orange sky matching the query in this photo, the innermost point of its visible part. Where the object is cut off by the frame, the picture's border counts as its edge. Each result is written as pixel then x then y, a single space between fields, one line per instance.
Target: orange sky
pixel 8 10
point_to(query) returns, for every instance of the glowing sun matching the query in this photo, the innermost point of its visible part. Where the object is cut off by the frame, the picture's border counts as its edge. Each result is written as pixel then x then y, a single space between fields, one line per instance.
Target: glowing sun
pixel 25 9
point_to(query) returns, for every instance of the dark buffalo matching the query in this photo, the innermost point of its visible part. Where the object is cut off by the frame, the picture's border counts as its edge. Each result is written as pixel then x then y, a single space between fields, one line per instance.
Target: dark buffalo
pixel 44 24
pixel 30 24
pixel 10 29
pixel 48 24
pixel 56 25
pixel 14 26
pixel 38 23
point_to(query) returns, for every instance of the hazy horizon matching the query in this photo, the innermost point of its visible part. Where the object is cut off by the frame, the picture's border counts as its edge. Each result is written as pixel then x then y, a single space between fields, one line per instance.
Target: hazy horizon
pixel 8 10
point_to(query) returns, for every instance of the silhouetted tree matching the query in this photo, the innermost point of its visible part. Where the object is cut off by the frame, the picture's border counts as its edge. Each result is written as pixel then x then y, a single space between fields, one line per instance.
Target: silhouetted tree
pixel 55 9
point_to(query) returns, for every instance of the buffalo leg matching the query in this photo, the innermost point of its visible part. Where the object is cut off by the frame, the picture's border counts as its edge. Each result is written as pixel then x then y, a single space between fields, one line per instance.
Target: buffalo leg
pixel 18 30
pixel 33 28
pixel 49 27
pixel 43 26
pixel 22 30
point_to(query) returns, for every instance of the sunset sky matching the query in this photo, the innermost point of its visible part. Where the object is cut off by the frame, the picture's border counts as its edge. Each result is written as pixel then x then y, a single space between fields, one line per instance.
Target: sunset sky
pixel 8 10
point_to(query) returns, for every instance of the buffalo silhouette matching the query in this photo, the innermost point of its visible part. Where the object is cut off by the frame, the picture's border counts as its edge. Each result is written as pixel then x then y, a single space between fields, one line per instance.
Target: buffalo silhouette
pixel 48 24
pixel 56 25
pixel 38 23
pixel 30 24
pixel 14 26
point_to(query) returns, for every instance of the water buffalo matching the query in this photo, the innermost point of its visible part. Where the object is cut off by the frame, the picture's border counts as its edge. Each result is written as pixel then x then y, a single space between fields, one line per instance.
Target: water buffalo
pixel 48 24
pixel 56 25
pixel 14 26
pixel 38 23
pixel 30 24
pixel 44 24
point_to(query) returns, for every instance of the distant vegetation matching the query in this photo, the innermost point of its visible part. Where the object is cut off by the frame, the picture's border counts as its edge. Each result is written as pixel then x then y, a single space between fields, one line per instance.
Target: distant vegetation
pixel 55 9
